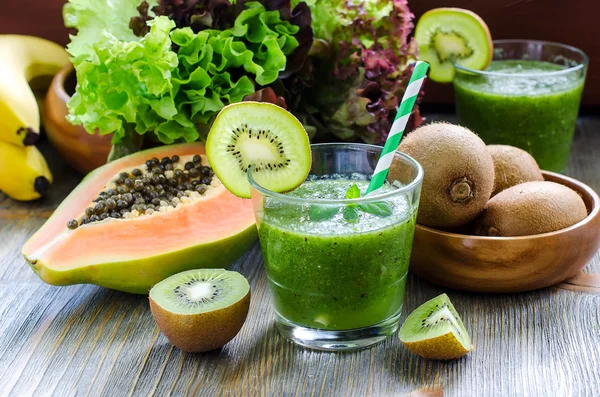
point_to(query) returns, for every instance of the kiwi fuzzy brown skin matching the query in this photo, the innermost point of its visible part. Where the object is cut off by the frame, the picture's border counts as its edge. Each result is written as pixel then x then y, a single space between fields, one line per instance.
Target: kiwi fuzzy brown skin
pixel 531 208
pixel 512 166
pixel 196 333
pixel 459 174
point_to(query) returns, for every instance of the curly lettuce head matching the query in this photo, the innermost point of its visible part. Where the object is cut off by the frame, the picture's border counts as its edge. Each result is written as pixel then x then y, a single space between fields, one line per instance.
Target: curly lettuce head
pixel 364 46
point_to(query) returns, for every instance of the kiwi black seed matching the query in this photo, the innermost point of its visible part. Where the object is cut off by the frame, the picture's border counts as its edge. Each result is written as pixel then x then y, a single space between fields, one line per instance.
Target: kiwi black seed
pixel 72 224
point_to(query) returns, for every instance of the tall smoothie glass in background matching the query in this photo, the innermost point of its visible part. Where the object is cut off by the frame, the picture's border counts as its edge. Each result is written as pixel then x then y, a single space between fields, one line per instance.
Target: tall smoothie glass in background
pixel 337 267
pixel 528 97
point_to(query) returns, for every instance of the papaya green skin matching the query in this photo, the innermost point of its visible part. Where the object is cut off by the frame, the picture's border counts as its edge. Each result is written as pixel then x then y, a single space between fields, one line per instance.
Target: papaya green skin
pixel 139 276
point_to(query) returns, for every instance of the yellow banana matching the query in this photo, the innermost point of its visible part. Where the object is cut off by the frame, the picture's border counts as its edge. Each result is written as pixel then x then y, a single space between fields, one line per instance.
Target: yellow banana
pixel 24 173
pixel 23 59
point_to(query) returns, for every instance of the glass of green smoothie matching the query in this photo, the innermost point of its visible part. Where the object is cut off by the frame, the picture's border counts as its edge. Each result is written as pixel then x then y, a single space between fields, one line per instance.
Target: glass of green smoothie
pixel 337 267
pixel 527 97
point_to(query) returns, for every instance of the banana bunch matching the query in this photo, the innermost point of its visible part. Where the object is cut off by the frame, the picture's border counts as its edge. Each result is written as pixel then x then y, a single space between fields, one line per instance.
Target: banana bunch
pixel 24 60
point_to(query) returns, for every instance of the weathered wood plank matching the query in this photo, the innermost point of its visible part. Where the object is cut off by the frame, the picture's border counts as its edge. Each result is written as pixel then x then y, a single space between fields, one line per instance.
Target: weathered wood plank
pixel 85 340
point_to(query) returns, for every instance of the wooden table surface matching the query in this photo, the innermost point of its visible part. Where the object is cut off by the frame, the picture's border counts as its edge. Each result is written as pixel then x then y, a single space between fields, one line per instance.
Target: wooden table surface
pixel 87 340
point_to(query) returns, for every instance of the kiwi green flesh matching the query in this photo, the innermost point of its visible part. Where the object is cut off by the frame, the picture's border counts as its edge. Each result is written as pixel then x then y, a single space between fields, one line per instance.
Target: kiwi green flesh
pixel 433 319
pixel 450 35
pixel 200 291
pixel 263 135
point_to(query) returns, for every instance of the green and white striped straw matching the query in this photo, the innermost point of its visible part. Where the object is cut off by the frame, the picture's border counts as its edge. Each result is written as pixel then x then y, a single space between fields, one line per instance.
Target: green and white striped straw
pixel 402 116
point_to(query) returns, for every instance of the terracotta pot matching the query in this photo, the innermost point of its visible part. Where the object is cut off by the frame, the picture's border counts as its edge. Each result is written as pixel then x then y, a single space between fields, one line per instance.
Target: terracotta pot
pixel 83 151
pixel 509 264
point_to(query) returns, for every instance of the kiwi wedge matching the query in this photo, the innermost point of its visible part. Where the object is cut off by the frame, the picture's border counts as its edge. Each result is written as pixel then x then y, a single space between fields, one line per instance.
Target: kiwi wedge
pixel 459 174
pixel 448 35
pixel 531 208
pixel 262 135
pixel 201 310
pixel 512 166
pixel 435 331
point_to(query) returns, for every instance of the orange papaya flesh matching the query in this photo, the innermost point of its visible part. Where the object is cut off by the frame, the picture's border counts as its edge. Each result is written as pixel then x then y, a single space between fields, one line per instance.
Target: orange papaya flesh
pixel 133 254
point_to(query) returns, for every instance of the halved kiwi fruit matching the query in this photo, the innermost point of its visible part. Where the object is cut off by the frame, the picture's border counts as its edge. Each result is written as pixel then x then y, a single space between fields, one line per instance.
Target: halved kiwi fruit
pixel 434 330
pixel 260 134
pixel 447 35
pixel 201 310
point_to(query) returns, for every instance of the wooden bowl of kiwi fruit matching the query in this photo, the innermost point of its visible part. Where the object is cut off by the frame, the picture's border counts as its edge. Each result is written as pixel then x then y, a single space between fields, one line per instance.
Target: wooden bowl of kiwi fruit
pixel 509 264
pixel 83 151
pixel 490 220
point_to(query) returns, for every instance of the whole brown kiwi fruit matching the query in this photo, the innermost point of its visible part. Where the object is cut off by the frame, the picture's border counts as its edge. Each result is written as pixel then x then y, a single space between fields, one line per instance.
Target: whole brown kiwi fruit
pixel 459 174
pixel 531 208
pixel 512 166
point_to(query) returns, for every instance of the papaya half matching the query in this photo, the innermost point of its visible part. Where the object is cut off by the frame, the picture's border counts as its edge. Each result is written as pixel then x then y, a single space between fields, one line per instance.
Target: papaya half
pixel 107 233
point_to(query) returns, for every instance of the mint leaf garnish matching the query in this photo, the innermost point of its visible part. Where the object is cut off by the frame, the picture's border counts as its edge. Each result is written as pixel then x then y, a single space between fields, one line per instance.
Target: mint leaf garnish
pixel 351 213
pixel 380 208
pixel 353 192
pixel 322 212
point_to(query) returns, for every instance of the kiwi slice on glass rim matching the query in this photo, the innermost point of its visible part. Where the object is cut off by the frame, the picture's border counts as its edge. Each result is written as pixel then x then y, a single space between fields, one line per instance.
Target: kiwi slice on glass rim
pixel 453 35
pixel 260 134
pixel 434 330
pixel 201 310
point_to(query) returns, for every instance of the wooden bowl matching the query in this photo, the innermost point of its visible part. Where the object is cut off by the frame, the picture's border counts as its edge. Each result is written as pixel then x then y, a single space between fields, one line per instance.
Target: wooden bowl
pixel 509 264
pixel 83 151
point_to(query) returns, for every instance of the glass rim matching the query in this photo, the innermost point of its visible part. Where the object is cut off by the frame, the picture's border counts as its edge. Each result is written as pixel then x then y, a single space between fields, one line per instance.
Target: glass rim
pixel 579 66
pixel 367 199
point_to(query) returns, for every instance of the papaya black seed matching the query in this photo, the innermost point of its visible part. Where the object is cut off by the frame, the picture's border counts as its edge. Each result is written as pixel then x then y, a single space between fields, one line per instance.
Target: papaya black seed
pixel 149 164
pixel 173 182
pixel 129 182
pixel 134 207
pixel 196 182
pixel 115 215
pixel 194 173
pixel 136 172
pixel 111 204
pixel 181 194
pixel 178 173
pixel 156 201
pixel 206 180
pixel 89 211
pixel 189 165
pixel 157 170
pixel 168 167
pixel 205 170
pixel 188 186
pixel 175 158
pixel 153 194
pixel 165 160
pixel 153 179
pixel 197 159
pixel 123 211
pixel 103 194
pixel 137 195
pixel 124 175
pixel 119 181
pixel 211 173
pixel 98 208
pixel 84 221
pixel 141 207
pixel 147 189
pixel 155 161
pixel 104 216
pixel 138 185
pixel 94 218
pixel 161 178
pixel 127 197
pixel 201 189
pixel 121 190
pixel 150 206
pixel 111 192
pixel 122 204
pixel 72 224
pixel 140 201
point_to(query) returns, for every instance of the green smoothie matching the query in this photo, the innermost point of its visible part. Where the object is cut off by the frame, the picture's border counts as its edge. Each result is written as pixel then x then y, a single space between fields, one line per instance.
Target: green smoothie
pixel 536 113
pixel 335 274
